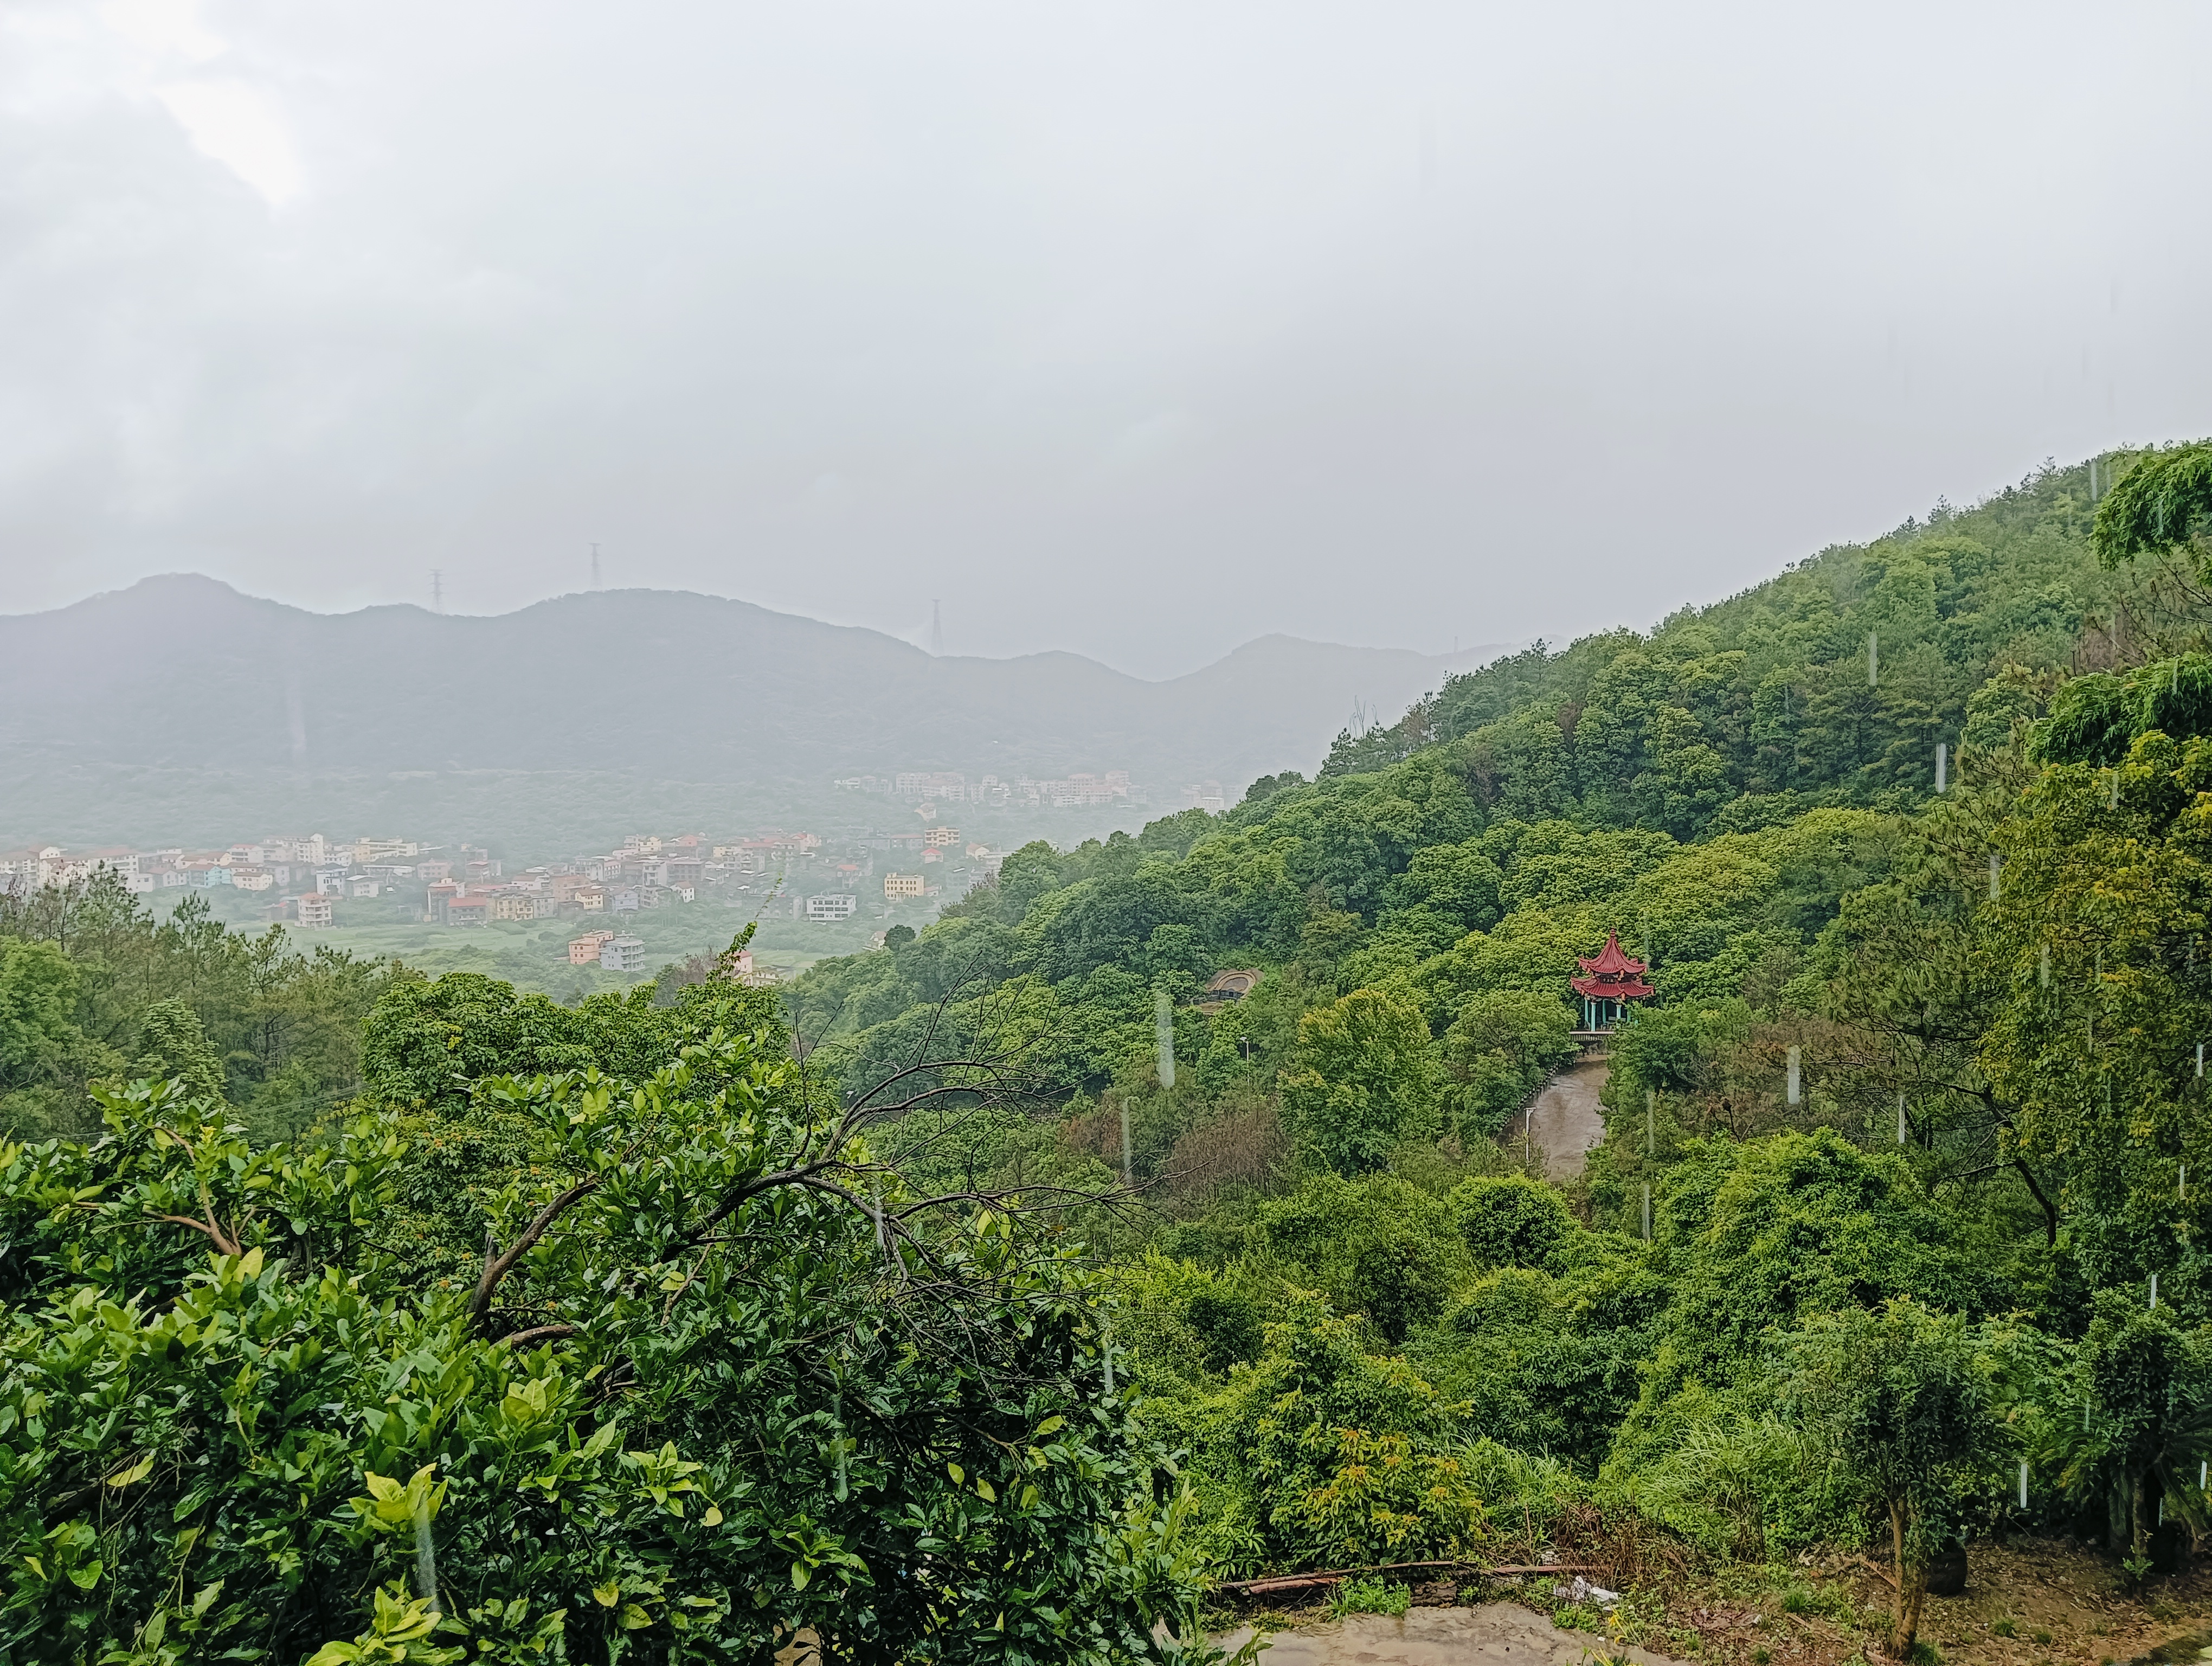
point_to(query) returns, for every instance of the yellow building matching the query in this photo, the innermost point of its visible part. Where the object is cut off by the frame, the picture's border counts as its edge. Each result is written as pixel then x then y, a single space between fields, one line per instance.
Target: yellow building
pixel 903 885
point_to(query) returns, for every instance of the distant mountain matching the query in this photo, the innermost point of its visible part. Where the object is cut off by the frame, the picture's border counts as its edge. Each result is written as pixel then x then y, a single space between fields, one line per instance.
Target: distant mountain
pixel 183 674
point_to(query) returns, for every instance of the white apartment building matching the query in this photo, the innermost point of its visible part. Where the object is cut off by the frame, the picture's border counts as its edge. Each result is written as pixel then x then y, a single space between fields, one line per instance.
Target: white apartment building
pixel 841 905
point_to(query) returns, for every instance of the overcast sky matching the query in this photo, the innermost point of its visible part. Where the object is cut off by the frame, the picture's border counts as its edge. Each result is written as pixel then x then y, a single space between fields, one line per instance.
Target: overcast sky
pixel 1134 329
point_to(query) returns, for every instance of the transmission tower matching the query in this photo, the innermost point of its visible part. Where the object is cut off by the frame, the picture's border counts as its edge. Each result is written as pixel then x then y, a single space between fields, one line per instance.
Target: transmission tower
pixel 437 591
pixel 595 567
pixel 936 629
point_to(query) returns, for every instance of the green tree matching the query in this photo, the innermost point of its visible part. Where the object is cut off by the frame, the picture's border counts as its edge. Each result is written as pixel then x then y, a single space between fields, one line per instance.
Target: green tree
pixel 1362 1080
pixel 1687 779
pixel 1497 1052
pixel 721 1377
pixel 1375 1245
pixel 1510 1220
pixel 38 1000
pixel 1331 1457
pixel 172 1043
pixel 2127 1417
pixel 2164 502
pixel 1899 1399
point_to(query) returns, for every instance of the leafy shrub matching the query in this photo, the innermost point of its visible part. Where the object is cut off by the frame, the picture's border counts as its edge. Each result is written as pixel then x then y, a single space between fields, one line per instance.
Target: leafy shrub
pixel 1228 1324
pixel 1369 1597
pixel 1771 1232
pixel 1377 1246
pixel 1517 1349
pixel 1332 1457
pixel 1731 1480
pixel 1511 1221
pixel 1362 1080
pixel 625 1423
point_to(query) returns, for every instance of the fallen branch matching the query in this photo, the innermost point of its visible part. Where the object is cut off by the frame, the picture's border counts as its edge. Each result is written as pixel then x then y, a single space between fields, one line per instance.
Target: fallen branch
pixel 1874 1568
pixel 1269 1584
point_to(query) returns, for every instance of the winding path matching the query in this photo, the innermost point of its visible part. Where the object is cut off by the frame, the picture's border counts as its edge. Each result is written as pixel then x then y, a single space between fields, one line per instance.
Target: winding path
pixel 1566 1120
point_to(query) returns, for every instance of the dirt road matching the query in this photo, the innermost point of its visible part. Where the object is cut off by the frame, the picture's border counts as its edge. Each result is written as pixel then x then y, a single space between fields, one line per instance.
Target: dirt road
pixel 1566 1120
pixel 1494 1634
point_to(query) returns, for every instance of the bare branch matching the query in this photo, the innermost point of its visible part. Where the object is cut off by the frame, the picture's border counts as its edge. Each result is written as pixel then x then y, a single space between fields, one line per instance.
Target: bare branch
pixel 494 1270
pixel 228 1245
pixel 517 1339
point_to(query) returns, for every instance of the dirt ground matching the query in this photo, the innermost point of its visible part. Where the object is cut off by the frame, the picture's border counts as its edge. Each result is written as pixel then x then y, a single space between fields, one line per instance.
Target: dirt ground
pixel 2026 1604
pixel 1496 1633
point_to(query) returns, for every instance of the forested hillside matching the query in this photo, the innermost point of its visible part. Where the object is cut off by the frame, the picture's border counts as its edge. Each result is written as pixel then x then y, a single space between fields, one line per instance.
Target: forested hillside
pixel 1664 785
pixel 1992 993
pixel 995 1295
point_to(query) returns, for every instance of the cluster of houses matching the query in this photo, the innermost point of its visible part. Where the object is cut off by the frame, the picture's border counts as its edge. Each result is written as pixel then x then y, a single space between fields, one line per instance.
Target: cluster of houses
pixel 617 951
pixel 302 878
pixel 303 881
pixel 951 787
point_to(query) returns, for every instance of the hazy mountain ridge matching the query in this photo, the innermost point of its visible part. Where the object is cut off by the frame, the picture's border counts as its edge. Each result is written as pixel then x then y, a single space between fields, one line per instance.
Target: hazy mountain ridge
pixel 184 673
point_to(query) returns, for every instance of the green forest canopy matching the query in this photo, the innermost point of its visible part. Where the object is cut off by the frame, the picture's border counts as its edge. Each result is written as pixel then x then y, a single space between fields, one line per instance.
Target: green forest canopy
pixel 763 1306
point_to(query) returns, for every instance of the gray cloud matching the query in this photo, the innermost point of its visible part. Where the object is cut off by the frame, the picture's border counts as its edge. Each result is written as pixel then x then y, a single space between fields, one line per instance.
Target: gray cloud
pixel 1138 329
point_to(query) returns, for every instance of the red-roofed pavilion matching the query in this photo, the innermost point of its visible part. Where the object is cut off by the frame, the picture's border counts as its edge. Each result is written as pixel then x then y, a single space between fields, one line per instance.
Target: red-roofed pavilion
pixel 1608 983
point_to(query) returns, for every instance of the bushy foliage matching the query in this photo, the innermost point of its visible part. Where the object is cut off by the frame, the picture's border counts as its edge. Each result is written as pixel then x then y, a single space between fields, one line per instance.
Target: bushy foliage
pixel 1899 1399
pixel 1329 1455
pixel 1510 1220
pixel 1377 1246
pixel 732 1396
pixel 1361 1081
